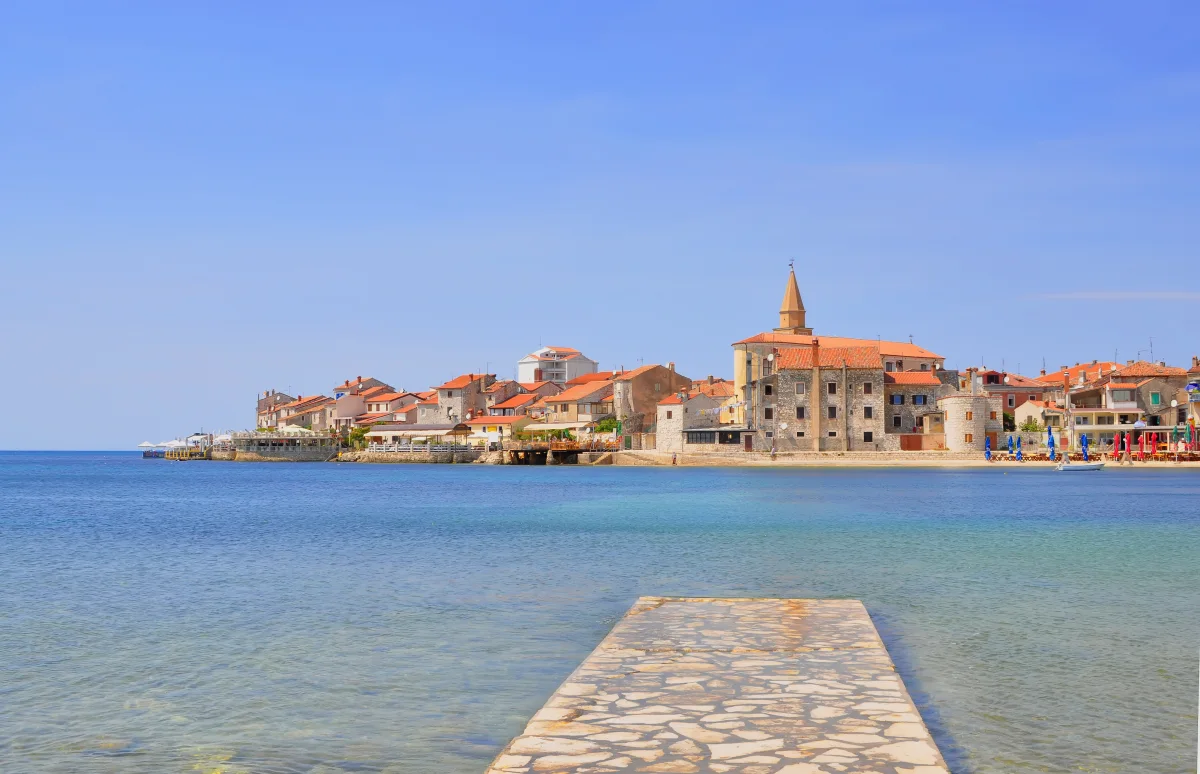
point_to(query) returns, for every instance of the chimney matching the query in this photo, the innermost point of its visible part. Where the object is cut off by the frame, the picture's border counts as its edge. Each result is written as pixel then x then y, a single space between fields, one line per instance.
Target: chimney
pixel 710 378
pixel 1043 372
pixel 1063 368
pixel 1162 364
pixel 1128 362
pixel 671 367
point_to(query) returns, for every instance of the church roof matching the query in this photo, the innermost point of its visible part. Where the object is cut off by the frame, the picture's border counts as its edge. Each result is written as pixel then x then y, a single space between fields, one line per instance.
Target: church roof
pixel 831 357
pixel 791 296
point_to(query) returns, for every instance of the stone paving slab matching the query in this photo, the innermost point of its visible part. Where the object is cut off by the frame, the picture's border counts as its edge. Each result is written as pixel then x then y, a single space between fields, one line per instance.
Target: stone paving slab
pixel 746 686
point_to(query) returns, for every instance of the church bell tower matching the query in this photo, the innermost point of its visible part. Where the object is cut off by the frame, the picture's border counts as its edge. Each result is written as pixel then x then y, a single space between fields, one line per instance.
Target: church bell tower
pixel 791 313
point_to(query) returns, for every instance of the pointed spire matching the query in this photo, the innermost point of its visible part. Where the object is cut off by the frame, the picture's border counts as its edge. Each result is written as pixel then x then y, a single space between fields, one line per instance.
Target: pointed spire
pixel 791 313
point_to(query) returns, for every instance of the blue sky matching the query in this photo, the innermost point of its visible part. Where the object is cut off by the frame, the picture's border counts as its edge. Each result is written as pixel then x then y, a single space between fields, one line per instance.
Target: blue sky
pixel 200 201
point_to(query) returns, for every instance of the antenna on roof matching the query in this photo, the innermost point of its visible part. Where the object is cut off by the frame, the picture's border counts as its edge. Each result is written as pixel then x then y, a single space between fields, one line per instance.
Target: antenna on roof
pixel 910 338
pixel 1152 349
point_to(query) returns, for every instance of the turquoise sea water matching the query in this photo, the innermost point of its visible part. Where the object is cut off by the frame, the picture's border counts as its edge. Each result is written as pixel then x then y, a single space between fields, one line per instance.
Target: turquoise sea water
pixel 178 617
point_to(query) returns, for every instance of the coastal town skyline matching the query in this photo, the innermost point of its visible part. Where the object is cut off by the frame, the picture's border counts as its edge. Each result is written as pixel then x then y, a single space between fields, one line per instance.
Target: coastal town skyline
pixel 322 202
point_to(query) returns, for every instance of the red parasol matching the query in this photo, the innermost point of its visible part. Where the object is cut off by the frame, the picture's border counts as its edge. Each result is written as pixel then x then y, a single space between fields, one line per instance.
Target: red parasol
pixel 1142 446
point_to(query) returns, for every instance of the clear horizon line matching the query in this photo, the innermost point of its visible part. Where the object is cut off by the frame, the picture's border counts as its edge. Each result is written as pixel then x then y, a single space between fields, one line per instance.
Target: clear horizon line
pixel 1122 295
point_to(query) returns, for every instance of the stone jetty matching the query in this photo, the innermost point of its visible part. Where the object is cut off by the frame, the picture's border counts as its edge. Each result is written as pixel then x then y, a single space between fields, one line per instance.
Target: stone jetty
pixel 751 686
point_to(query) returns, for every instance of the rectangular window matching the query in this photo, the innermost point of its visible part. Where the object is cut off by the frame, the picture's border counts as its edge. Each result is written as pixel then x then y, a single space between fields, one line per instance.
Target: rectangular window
pixel 969 438
pixel 1012 400
pixel 993 415
pixel 1155 399
pixel 799 412
pixel 866 388
pixel 1082 420
pixel 1033 397
pixel 768 413
pixel 899 365
pixel 1122 395
pixel 668 415
pixel 896 421
pixel 889 366
pixel 769 434
pixel 868 436
pixel 868 412
pixel 833 412
pixel 833 433
pixel 924 366
pixel 767 390
pixel 918 400
pixel 799 388
pixel 799 433
pixel 897 399
pixel 833 388
pixel 970 415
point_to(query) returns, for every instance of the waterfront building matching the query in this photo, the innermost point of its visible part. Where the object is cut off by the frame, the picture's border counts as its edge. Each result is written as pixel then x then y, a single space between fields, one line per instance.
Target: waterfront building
pixel 501 390
pixel 693 414
pixel 311 412
pixel 1013 389
pixel 554 364
pixel 351 400
pixel 463 397
pixel 636 395
pixel 518 405
pixel 799 392
pixel 267 408
pixel 575 408
pixel 1045 413
pixel 1134 396
pixel 754 357
pixel 495 429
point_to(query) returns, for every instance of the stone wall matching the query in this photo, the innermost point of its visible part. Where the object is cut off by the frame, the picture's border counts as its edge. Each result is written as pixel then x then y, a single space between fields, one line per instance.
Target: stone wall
pixel 958 426
pixel 850 400
pixel 287 454
pixel 419 457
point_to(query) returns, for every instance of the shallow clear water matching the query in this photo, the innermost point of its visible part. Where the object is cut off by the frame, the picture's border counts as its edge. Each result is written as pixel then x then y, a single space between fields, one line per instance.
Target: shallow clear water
pixel 159 616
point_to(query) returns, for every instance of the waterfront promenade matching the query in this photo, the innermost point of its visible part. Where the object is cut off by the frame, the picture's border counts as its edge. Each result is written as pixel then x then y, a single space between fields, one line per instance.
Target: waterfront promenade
pixel 747 686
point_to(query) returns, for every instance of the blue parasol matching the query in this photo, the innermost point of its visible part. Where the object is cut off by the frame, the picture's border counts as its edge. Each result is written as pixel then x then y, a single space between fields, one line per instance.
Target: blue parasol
pixel 987 448
pixel 1050 442
pixel 1085 444
pixel 1019 457
pixel 1010 446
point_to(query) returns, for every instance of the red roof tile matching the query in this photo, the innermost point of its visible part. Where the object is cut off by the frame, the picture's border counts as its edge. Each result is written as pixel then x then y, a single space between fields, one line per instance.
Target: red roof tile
pixel 517 401
pixel 672 400
pixel 912 378
pixel 831 357
pixel 599 376
pixel 625 376
pixel 899 349
pixel 1143 368
pixel 459 382
pixel 1090 372
pixel 580 392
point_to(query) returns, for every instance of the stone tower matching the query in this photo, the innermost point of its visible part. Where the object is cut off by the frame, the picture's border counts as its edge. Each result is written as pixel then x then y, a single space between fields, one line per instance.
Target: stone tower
pixel 791 313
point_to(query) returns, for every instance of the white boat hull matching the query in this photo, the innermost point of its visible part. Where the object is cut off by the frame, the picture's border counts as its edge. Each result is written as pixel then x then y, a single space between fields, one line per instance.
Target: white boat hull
pixel 1074 466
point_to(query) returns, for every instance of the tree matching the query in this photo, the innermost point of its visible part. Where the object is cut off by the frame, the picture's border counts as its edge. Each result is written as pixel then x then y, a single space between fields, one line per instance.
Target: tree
pixel 358 437
pixel 1030 425
pixel 1010 422
pixel 607 425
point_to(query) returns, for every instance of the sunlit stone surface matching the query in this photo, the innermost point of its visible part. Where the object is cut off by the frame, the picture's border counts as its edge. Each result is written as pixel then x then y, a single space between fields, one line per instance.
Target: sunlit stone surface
pixel 750 686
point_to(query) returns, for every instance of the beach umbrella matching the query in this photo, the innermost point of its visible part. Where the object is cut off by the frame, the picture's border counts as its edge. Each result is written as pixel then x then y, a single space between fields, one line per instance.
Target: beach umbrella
pixel 1050 441
pixel 145 445
pixel 1084 444
pixel 1142 446
pixel 987 448
pixel 1019 457
pixel 1010 445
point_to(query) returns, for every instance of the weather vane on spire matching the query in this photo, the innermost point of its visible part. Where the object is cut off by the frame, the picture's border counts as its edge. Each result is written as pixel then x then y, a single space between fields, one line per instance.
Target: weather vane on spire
pixel 791 263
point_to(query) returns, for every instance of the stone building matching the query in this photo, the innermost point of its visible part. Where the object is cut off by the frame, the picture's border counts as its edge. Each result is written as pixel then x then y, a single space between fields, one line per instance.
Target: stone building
pixel 684 412
pixel 462 398
pixel 636 394
pixel 752 361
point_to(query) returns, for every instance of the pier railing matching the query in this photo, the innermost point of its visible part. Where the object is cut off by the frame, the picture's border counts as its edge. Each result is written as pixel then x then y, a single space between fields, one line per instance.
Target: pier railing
pixel 419 448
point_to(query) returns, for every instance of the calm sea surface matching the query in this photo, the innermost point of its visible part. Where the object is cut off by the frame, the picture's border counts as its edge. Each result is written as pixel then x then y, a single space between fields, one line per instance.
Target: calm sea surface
pixel 223 617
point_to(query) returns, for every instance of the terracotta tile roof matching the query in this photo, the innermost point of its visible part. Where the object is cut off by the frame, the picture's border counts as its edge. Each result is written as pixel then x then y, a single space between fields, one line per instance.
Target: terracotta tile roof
pixel 581 391
pixel 499 385
pixel 386 396
pixel 912 378
pixel 459 382
pixel 406 409
pixel 355 383
pixel 303 401
pixel 428 401
pixel 831 357
pixel 718 389
pixel 426 395
pixel 627 375
pixel 517 401
pixel 1015 381
pixel 1051 406
pixel 1122 385
pixel 535 386
pixel 496 420
pixel 899 349
pixel 672 400
pixel 599 376
pixel 1144 368
pixel 1090 372
pixel 366 419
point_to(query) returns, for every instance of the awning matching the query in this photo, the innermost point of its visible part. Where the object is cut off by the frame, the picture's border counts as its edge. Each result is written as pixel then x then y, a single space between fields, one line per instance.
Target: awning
pixel 146 445
pixel 538 426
